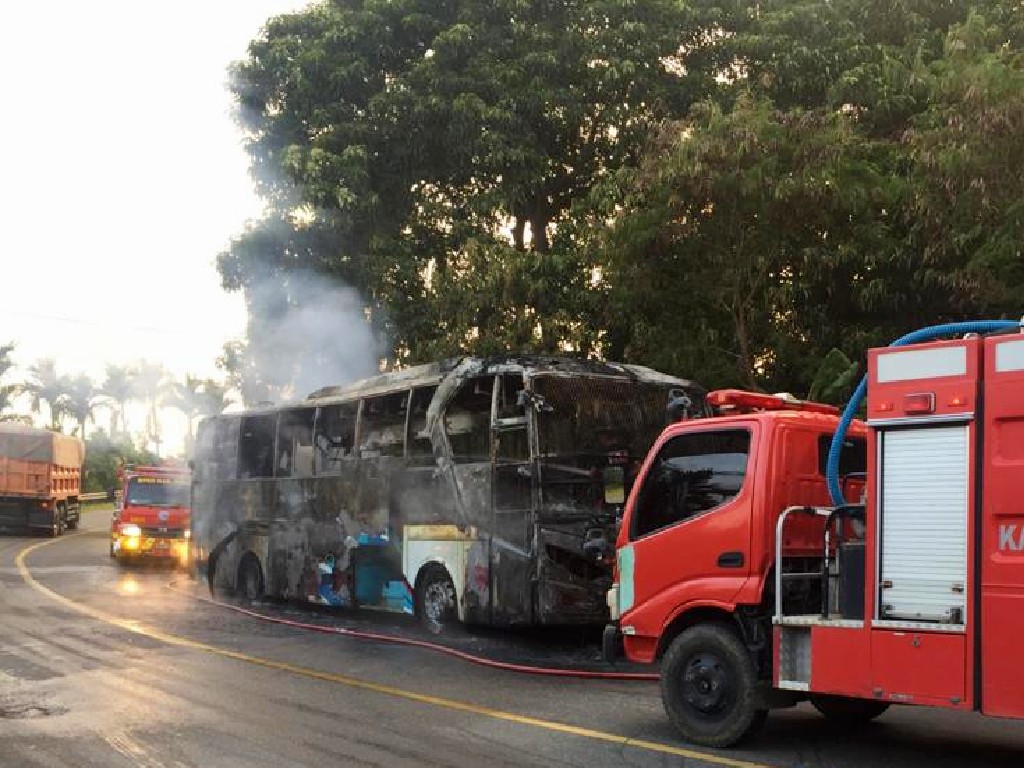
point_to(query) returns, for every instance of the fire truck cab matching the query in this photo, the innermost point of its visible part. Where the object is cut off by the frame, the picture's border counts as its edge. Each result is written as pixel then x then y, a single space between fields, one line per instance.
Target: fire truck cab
pixel 151 517
pixel 755 592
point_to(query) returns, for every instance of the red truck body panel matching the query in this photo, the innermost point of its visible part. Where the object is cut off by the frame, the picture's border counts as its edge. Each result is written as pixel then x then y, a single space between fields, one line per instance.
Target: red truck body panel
pixel 1002 528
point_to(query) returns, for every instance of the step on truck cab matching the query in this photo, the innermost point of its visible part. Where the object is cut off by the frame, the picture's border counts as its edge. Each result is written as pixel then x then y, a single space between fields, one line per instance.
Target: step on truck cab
pixel 735 570
pixel 151 516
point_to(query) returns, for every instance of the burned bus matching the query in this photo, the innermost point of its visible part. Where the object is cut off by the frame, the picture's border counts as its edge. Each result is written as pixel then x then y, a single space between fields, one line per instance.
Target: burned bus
pixel 460 491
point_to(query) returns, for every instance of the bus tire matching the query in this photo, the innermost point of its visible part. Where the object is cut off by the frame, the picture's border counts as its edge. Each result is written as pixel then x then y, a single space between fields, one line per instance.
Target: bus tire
pixel 250 578
pixel 709 687
pixel 847 711
pixel 436 607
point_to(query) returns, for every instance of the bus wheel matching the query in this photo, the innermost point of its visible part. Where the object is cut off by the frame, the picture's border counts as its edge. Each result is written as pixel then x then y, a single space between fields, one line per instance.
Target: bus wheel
pixel 250 578
pixel 435 600
pixel 708 687
pixel 840 709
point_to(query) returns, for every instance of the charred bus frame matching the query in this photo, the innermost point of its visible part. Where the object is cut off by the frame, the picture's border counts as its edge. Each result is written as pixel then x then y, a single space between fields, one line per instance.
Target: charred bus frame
pixel 462 490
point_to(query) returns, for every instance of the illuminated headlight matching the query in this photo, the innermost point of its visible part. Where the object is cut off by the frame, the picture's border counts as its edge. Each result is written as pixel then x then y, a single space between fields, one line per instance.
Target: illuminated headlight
pixel 131 530
pixel 188 534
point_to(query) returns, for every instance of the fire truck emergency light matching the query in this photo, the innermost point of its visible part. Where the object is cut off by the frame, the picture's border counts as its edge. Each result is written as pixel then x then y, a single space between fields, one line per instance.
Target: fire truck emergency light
pixel 740 400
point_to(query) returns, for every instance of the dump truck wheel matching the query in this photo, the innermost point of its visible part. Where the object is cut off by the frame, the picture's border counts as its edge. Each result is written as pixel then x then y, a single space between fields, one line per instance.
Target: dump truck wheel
pixel 709 687
pixel 841 709
pixel 435 601
pixel 57 527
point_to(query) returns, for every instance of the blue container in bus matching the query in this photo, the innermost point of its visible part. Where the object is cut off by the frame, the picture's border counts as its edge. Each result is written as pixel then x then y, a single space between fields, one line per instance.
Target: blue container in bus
pixel 370 579
pixel 398 596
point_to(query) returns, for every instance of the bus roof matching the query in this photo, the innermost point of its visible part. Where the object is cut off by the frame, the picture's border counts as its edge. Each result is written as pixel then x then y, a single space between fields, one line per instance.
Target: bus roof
pixel 432 374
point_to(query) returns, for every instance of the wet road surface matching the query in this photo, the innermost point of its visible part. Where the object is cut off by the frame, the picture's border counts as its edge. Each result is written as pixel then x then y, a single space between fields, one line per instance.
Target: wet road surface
pixel 101 666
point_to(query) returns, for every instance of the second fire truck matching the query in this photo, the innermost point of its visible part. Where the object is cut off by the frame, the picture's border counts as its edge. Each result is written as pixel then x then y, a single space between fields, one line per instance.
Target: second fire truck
pixel 152 516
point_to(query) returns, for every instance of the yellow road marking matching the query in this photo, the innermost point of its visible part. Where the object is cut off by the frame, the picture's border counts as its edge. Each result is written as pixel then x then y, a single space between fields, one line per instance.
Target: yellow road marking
pixel 366 685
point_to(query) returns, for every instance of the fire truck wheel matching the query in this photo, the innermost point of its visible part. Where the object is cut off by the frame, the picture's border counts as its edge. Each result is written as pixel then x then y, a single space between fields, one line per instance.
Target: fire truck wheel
pixel 250 578
pixel 435 601
pixel 708 686
pixel 840 709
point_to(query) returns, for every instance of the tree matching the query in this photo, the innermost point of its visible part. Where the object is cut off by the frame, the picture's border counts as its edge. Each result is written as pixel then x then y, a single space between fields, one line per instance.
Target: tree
pixel 968 206
pixel 119 388
pixel 7 391
pixel 214 398
pixel 49 387
pixel 104 455
pixel 81 398
pixel 151 384
pixel 429 154
pixel 188 398
pixel 734 219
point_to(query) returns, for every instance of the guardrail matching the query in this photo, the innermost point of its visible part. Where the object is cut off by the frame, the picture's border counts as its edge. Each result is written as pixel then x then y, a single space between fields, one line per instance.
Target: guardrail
pixel 97 496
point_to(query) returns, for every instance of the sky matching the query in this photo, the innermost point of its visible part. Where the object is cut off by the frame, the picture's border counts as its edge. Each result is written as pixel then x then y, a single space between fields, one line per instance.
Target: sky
pixel 123 177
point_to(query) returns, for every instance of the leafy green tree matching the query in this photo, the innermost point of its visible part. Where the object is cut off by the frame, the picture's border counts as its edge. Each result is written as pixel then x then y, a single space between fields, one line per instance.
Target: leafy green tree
pixel 430 154
pixel 969 193
pixel 105 455
pixel 735 216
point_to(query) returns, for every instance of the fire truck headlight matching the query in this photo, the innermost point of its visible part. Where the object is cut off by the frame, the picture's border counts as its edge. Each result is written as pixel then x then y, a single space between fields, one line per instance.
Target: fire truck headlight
pixel 131 530
pixel 188 534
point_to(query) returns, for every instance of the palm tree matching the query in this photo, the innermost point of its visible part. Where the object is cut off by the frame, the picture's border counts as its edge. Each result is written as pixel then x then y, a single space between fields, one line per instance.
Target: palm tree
pixel 7 391
pixel 47 386
pixel 80 401
pixel 187 397
pixel 215 398
pixel 151 382
pixel 119 389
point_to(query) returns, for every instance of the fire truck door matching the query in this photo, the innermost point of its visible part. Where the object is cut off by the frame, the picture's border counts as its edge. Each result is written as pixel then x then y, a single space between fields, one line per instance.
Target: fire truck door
pixel 1002 548
pixel 690 526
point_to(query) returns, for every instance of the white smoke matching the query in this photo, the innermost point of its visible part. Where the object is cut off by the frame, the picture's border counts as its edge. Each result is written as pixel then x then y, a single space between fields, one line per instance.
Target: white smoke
pixel 306 332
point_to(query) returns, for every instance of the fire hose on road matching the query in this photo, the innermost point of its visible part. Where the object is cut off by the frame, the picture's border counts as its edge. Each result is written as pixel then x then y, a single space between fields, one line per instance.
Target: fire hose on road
pixel 379 637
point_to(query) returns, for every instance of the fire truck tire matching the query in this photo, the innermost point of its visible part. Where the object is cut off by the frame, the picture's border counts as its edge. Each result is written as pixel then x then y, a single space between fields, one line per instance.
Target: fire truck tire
pixel 709 687
pixel 250 578
pixel 435 601
pixel 841 709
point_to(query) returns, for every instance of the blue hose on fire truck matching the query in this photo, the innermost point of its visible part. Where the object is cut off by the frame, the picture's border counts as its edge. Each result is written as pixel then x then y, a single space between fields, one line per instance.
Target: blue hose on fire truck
pixel 924 334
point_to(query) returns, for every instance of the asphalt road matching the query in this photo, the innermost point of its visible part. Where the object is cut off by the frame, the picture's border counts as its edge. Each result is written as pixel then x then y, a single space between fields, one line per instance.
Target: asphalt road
pixel 107 667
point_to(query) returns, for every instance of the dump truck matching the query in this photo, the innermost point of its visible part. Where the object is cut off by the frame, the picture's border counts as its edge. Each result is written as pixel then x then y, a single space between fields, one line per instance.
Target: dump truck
pixel 40 479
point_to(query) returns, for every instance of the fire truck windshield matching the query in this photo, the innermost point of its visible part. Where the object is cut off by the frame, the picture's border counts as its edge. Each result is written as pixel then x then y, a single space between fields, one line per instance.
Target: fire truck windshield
pixel 157 492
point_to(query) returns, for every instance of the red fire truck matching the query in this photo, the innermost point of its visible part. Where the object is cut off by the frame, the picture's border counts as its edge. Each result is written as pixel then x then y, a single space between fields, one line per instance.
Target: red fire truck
pixel 151 519
pixel 756 590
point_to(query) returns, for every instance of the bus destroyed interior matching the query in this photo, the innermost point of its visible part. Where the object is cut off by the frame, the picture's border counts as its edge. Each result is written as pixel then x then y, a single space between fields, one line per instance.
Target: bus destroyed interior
pixel 480 490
